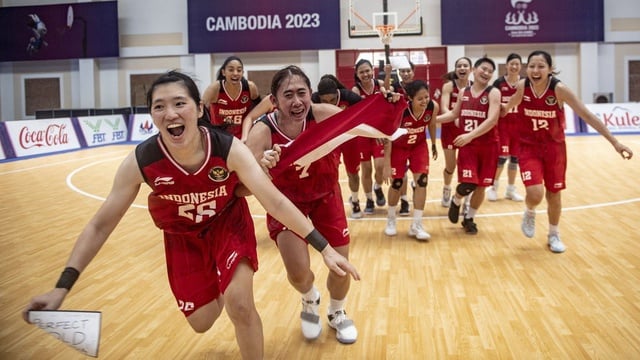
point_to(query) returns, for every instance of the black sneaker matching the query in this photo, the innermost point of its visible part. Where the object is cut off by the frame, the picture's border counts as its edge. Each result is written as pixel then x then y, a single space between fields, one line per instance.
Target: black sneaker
pixel 469 226
pixel 404 208
pixel 355 209
pixel 368 209
pixel 380 200
pixel 454 212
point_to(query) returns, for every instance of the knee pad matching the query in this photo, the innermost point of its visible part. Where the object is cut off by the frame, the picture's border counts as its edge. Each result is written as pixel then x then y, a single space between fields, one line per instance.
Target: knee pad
pixel 423 179
pixel 502 160
pixel 396 184
pixel 465 189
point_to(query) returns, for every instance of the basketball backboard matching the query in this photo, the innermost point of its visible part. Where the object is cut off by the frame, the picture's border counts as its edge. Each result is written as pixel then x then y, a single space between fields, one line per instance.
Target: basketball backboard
pixel 365 15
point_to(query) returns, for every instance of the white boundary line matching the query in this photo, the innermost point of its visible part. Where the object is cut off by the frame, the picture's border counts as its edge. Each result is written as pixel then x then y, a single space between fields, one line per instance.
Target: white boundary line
pixel 365 218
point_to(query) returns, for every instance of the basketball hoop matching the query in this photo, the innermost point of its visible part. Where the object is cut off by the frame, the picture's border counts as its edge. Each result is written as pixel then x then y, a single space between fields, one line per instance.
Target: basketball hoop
pixel 385 32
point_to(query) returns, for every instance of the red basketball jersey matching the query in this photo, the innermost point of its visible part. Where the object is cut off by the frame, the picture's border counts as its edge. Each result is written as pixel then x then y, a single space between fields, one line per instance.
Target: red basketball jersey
pixel 184 202
pixel 543 119
pixel 303 184
pixel 416 125
pixel 230 111
pixel 473 112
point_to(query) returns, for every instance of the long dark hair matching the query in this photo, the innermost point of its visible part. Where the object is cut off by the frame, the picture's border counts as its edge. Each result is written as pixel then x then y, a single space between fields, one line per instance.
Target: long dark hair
pixel 225 63
pixel 358 64
pixel 174 76
pixel 329 84
pixel 451 75
pixel 547 58
pixel 286 73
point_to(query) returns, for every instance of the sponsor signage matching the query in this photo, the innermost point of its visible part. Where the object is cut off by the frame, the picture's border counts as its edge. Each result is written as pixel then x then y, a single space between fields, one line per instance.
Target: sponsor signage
pixel 521 21
pixel 142 127
pixel 34 137
pixel 250 25
pixel 62 31
pixel 618 118
pixel 103 129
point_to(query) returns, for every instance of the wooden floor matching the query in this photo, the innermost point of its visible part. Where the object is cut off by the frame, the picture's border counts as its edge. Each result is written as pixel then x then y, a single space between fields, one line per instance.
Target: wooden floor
pixel 496 295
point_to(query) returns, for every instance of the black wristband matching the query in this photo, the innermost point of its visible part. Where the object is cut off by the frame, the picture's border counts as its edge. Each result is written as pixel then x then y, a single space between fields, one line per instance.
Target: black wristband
pixel 68 278
pixel 316 240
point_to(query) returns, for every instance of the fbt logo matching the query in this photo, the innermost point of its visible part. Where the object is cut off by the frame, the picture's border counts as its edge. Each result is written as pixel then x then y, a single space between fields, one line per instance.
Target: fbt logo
pixel 185 305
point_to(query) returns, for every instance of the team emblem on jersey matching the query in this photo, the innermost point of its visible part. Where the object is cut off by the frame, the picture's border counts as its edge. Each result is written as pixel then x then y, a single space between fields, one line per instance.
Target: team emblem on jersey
pixel 244 99
pixel 427 118
pixel 551 100
pixel 484 100
pixel 218 174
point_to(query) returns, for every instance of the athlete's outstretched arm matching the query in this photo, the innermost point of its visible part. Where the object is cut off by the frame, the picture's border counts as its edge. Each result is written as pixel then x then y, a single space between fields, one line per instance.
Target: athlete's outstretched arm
pixel 125 187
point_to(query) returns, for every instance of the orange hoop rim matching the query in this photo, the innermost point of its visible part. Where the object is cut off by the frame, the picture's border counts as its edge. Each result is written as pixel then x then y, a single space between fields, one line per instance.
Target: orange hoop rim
pixel 385 29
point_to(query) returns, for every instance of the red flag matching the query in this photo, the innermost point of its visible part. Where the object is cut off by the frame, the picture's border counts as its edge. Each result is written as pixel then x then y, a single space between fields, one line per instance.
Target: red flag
pixel 373 117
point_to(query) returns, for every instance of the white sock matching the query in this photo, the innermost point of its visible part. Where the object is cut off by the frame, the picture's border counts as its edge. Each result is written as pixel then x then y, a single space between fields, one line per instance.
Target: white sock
pixel 354 196
pixel 404 197
pixel 553 229
pixel 312 295
pixel 376 186
pixel 417 216
pixel 335 305
pixel 369 195
pixel 471 213
pixel 391 212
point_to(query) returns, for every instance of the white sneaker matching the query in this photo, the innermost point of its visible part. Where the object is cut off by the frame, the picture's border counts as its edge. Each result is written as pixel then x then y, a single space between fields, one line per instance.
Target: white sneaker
pixel 310 318
pixel 418 232
pixel 528 224
pixel 511 194
pixel 555 244
pixel 390 230
pixel 446 196
pixel 492 194
pixel 346 331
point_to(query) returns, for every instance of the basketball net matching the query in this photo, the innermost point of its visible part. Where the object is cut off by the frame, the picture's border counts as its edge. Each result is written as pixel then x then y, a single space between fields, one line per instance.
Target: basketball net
pixel 385 32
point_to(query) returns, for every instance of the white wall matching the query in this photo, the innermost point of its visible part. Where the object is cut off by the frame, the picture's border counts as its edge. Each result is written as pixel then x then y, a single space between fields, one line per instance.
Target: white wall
pixel 585 68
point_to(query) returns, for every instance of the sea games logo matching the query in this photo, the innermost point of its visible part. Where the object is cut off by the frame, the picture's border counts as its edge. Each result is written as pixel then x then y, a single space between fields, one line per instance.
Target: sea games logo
pixel 521 22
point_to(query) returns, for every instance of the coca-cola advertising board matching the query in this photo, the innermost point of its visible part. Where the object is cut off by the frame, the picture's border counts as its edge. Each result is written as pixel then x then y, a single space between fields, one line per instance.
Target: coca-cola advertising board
pixel 34 137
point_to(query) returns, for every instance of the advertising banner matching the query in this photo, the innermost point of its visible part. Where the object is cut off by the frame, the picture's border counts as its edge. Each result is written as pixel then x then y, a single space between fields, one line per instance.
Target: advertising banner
pixel 618 118
pixel 521 21
pixel 63 31
pixel 103 129
pixel 250 25
pixel 141 127
pixel 34 137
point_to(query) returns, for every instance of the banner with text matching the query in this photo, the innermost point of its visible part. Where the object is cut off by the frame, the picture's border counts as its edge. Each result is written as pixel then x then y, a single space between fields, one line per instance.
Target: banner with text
pixel 618 118
pixel 249 25
pixel 466 22
pixel 103 129
pixel 35 137
pixel 62 31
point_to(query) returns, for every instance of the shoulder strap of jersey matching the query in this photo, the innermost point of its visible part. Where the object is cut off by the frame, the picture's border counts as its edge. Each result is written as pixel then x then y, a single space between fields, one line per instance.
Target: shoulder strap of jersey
pixel 148 152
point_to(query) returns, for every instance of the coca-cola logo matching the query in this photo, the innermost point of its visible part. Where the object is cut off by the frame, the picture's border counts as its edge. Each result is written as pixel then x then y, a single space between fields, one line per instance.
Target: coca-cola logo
pixel 53 135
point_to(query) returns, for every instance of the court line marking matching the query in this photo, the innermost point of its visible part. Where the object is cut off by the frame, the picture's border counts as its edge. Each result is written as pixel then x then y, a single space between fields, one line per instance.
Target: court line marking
pixel 70 184
pixel 364 218
pixel 55 163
